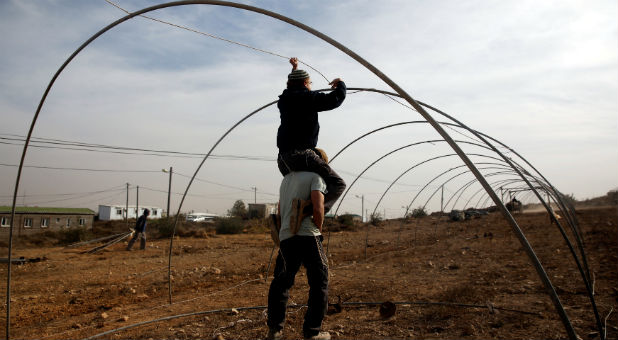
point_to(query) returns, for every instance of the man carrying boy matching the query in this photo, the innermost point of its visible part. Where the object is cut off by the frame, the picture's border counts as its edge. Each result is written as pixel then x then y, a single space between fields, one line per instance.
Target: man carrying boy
pixel 302 247
pixel 297 136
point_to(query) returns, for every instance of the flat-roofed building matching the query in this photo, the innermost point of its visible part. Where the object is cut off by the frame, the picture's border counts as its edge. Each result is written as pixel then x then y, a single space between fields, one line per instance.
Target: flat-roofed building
pixel 30 220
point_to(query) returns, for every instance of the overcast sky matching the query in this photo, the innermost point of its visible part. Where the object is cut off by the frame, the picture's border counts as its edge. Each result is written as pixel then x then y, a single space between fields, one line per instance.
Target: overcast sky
pixel 541 77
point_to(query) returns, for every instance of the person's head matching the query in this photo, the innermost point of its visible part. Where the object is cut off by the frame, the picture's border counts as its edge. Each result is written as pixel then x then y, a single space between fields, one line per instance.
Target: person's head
pixel 146 212
pixel 322 154
pixel 299 78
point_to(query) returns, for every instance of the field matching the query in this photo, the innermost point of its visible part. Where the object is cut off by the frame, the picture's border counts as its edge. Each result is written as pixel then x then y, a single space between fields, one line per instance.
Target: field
pixel 468 279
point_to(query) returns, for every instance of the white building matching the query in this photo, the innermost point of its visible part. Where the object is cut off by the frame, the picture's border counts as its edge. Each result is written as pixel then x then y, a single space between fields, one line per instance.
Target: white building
pixel 119 211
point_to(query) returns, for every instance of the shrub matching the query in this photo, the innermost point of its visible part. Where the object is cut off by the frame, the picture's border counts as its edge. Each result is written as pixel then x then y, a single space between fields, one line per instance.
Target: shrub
pixel 346 220
pixel 72 235
pixel 164 229
pixel 418 212
pixel 375 218
pixel 231 225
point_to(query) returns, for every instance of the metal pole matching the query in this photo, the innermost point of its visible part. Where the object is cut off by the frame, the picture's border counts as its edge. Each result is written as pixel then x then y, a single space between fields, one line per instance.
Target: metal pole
pixel 126 214
pixel 137 203
pixel 362 208
pixel 442 200
pixel 254 194
pixel 169 193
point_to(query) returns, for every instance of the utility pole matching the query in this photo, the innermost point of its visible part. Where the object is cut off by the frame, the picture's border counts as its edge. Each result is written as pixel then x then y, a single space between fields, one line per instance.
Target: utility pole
pixel 169 190
pixel 362 197
pixel 126 214
pixel 137 203
pixel 254 194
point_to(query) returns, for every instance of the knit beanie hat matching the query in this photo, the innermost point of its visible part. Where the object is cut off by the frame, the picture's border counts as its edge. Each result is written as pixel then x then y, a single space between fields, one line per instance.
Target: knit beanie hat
pixel 298 75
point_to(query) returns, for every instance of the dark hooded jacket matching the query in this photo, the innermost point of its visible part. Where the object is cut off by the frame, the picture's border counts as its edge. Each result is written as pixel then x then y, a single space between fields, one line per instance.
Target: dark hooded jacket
pixel 298 108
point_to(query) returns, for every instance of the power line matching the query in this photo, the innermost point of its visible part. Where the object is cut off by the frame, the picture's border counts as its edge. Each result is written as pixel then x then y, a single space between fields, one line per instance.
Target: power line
pixel 77 169
pixel 216 37
pixel 68 194
pixel 81 146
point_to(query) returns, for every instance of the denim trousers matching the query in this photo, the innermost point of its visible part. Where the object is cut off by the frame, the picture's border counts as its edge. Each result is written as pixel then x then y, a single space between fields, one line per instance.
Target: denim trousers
pixel 294 251
pixel 309 160
pixel 142 236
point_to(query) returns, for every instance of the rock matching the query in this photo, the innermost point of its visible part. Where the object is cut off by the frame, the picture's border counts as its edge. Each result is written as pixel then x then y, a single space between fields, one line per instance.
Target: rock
pixel 216 271
pixel 124 318
pixel 234 311
pixel 387 309
pixel 104 315
pixel 218 337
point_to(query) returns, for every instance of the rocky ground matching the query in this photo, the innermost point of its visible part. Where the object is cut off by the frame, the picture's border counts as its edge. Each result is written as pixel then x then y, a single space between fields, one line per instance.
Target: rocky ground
pixel 468 279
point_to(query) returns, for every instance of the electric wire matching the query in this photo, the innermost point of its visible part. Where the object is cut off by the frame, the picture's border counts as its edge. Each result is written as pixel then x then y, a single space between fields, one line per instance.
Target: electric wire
pixel 217 37
pixel 81 146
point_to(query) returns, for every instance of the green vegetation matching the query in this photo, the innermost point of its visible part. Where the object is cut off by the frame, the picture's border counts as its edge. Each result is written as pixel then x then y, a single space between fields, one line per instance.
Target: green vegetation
pixel 418 212
pixel 238 209
pixel 229 225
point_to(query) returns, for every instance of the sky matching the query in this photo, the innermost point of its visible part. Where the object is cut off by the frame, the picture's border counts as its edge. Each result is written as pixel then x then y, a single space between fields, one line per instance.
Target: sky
pixel 541 77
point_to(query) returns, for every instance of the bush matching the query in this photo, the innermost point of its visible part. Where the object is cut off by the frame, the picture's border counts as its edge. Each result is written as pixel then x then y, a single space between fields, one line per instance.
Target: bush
pixel 231 225
pixel 346 220
pixel 164 229
pixel 72 235
pixel 375 218
pixel 418 212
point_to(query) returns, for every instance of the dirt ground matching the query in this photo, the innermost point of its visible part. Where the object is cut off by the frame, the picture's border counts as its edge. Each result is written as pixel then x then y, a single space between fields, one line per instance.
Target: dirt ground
pixel 468 279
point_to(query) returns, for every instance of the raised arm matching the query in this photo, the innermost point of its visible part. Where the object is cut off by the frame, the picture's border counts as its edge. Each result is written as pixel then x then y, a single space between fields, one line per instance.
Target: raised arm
pixel 294 62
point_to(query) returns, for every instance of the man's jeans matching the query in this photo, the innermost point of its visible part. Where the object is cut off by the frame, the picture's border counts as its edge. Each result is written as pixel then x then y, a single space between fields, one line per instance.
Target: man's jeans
pixel 142 240
pixel 294 251
pixel 309 160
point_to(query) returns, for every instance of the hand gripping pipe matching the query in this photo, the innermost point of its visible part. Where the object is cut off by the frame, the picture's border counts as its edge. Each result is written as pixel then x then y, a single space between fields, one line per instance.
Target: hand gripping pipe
pixel 529 251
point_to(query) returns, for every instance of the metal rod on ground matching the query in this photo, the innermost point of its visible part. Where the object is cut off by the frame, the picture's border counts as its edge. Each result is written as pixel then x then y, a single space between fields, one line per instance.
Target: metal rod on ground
pixel 112 242
pixel 419 303
pixel 95 240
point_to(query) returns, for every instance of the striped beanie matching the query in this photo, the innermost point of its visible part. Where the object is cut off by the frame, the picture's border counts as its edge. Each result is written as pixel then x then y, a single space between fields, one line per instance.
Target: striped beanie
pixel 298 75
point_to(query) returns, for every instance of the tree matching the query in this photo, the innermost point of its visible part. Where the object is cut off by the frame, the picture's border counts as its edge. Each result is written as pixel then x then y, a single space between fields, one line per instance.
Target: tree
pixel 238 209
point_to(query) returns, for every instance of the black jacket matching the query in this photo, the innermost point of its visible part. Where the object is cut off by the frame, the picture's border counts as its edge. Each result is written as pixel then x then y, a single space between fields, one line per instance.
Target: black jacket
pixel 140 224
pixel 298 108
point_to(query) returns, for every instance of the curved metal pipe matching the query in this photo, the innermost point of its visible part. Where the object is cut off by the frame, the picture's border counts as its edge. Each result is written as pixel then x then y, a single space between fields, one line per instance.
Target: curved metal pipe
pixel 432 180
pixel 416 165
pixel 540 270
pixel 487 175
pixel 463 173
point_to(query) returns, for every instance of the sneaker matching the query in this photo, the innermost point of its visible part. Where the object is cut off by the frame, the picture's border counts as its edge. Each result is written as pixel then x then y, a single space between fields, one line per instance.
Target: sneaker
pixel 319 336
pixel 298 214
pixel 275 335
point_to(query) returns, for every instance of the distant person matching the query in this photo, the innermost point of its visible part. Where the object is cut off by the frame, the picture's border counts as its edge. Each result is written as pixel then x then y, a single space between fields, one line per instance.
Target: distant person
pixel 297 136
pixel 302 247
pixel 140 231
